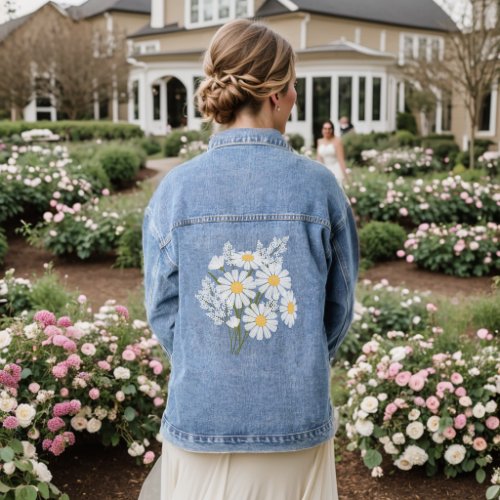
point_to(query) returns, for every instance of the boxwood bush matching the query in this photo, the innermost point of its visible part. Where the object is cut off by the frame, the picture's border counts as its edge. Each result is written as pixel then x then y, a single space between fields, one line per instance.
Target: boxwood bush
pixel 120 163
pixel 176 139
pixel 379 241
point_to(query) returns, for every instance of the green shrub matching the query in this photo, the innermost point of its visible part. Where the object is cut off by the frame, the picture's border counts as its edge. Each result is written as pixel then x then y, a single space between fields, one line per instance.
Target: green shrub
pixel 443 147
pixel 486 312
pixel 405 138
pixel 120 163
pixel 151 145
pixel 75 130
pixel 94 172
pixel 380 241
pixel 296 141
pixel 406 121
pixel 354 144
pixel 129 249
pixel 4 247
pixel 176 139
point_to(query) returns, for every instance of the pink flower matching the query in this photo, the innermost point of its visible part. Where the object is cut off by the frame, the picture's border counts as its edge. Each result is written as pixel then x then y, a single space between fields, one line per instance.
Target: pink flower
pixel 148 458
pixel 64 321
pixel 69 437
pixel 393 368
pixel 432 403
pixel 88 349
pixel 34 387
pixel 479 444
pixel 460 421
pixel 158 401
pixel 94 393
pixel 58 445
pixel 128 355
pixel 442 387
pixel 482 333
pixel 46 444
pixel 44 317
pixel 156 366
pixel 431 308
pixel 73 332
pixel 59 340
pixel 52 330
pixel 61 409
pixel 419 401
pixel 82 299
pixel 74 406
pixel 64 392
pixel 492 423
pixel 416 383
pixel 460 392
pixel 402 378
pixel 456 378
pixel 59 370
pixel 55 423
pixel 74 360
pixel 410 259
pixel 69 346
pixel 403 211
pixel 400 253
pixel 10 422
pixel 105 192
pixel 104 365
pixel 122 311
pixel 449 433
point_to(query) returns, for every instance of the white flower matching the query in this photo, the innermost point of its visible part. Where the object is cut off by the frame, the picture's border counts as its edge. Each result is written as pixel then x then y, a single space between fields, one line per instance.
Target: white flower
pixel 247 260
pixel 364 427
pixel 259 321
pixel 233 322
pixel 479 410
pixel 415 430
pixel 288 308
pixel 7 404
pixel 5 338
pixel 121 372
pixel 399 438
pixel 29 450
pixel 414 414
pixel 25 414
pixel 403 463
pixel 236 288
pixel 390 449
pixel 455 454
pixel 438 438
pixel 416 455
pixel 79 423
pixel 41 471
pixel 465 401
pixel 384 439
pixel 382 396
pixel 490 407
pixel 369 404
pixel 9 468
pixel 273 281
pixel 433 423
pixel 216 263
pixel 474 372
pixel 397 353
pixel 377 472
pixel 361 389
pixel 94 425
pixel 136 449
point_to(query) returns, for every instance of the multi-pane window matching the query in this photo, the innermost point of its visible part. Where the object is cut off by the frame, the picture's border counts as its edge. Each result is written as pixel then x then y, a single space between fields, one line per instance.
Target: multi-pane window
pixel 421 47
pixel 213 11
pixel 345 96
pixel 377 98
pixel 322 92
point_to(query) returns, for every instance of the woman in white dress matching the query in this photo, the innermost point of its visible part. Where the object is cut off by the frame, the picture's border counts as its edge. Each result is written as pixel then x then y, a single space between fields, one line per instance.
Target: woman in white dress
pixel 331 152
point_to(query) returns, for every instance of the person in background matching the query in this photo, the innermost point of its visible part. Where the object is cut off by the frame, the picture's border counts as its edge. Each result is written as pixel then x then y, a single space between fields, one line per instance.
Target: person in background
pixel 250 268
pixel 345 126
pixel 330 152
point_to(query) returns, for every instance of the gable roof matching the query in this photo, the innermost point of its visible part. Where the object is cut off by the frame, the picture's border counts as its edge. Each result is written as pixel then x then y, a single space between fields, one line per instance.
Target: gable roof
pixel 424 14
pixel 343 45
pixel 95 7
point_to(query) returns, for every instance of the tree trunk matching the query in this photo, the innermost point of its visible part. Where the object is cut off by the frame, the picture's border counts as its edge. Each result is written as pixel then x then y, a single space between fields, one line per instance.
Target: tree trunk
pixel 13 113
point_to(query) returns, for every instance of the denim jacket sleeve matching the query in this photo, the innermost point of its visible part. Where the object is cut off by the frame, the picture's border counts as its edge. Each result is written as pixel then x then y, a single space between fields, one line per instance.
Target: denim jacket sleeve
pixel 161 284
pixel 341 282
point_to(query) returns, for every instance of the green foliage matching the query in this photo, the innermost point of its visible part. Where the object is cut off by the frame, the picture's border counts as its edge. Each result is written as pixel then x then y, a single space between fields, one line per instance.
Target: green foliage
pixel 296 141
pixel 354 144
pixel 121 164
pixel 379 241
pixel 151 145
pixel 485 312
pixel 443 147
pixel 49 293
pixel 405 138
pixel 4 246
pixel 74 130
pixel 406 121
pixel 129 249
pixel 176 139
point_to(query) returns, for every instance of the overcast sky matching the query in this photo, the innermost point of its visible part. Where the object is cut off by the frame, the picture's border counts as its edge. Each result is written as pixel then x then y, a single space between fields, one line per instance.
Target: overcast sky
pixel 26 6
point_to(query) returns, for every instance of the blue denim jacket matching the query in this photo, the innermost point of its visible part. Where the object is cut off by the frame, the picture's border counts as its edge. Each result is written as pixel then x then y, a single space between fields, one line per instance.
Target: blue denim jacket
pixel 250 261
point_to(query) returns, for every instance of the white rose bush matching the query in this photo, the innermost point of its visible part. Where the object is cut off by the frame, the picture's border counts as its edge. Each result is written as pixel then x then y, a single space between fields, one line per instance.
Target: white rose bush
pixel 420 405
pixel 64 378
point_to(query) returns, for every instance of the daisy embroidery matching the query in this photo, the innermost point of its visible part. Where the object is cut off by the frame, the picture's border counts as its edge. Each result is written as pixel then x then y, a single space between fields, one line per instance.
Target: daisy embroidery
pixel 288 309
pixel 273 281
pixel 247 260
pixel 237 288
pixel 260 322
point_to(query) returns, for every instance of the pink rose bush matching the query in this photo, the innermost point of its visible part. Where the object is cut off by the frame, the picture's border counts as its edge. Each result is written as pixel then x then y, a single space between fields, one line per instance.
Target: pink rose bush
pixel 423 406
pixel 457 249
pixel 62 377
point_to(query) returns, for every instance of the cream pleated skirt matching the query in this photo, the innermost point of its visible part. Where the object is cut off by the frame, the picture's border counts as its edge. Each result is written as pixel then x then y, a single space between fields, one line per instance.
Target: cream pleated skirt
pixel 299 475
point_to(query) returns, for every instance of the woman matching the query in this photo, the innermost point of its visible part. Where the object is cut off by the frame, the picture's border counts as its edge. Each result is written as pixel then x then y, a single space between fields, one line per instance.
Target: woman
pixel 331 152
pixel 250 263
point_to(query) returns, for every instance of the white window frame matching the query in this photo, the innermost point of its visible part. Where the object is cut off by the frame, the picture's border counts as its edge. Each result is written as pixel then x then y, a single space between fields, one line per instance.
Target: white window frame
pixel 141 48
pixel 493 114
pixel 216 19
pixel 415 37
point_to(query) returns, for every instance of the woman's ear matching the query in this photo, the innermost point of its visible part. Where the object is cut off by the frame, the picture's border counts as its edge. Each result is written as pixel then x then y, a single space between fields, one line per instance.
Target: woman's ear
pixel 275 100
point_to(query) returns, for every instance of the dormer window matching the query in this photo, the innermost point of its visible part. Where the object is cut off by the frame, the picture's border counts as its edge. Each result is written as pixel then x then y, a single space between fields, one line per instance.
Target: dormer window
pixel 210 12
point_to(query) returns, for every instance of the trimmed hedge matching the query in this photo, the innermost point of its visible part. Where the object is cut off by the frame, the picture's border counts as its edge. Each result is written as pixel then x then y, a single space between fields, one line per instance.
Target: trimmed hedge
pixel 379 241
pixel 176 139
pixel 120 163
pixel 75 130
pixel 406 121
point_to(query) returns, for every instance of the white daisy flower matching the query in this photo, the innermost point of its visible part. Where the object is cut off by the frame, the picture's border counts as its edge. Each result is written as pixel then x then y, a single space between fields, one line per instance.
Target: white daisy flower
pixel 216 262
pixel 233 322
pixel 247 260
pixel 260 321
pixel 236 288
pixel 273 281
pixel 288 309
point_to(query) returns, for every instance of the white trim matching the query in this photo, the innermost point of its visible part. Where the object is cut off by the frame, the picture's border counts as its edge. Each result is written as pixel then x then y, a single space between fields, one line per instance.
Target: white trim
pixel 383 40
pixel 357 35
pixel 415 37
pixel 146 46
pixel 493 114
pixel 109 22
pixel 216 20
pixel 157 13
pixel 303 31
pixel 289 5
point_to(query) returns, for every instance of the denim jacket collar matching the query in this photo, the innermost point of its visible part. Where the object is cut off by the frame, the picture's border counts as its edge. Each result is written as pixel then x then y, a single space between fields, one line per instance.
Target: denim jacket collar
pixel 233 136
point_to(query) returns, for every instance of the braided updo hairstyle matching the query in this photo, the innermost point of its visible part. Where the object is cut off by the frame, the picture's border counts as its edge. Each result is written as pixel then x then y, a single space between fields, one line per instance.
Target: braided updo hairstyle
pixel 245 63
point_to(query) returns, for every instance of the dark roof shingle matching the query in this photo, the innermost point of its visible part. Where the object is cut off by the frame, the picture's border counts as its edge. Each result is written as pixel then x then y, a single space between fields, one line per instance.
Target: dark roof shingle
pixel 95 7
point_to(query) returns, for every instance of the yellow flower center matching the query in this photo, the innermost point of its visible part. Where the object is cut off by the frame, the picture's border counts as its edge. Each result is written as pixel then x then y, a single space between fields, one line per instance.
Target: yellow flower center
pixel 291 307
pixel 247 257
pixel 236 287
pixel 260 320
pixel 274 280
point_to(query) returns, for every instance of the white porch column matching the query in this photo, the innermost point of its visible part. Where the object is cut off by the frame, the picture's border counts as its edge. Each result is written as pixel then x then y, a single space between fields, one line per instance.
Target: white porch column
pixel 163 104
pixel 309 111
pixel 157 13
pixel 439 114
pixel 96 105
pixel 401 97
